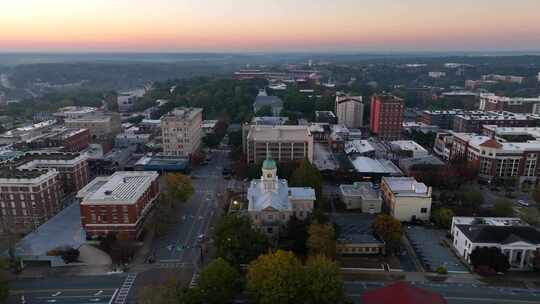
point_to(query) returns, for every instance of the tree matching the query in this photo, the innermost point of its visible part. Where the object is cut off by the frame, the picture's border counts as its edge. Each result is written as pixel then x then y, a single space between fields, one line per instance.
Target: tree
pixel 297 234
pixel 322 240
pixel 306 175
pixel 219 282
pixel 473 198
pixel 277 278
pixel 503 208
pixel 390 230
pixel 536 194
pixel 531 216
pixel 237 242
pixel 163 218
pixel 490 257
pixel 442 217
pixel 4 287
pixel 179 187
pixel 264 111
pixel 324 281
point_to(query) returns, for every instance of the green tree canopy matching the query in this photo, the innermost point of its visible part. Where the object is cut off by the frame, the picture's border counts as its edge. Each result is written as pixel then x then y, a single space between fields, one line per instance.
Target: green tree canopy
pixel 307 175
pixel 442 217
pixel 219 282
pixel 389 229
pixel 322 240
pixel 179 187
pixel 277 278
pixel 473 198
pixel 237 242
pixel 297 234
pixel 324 281
pixel 503 208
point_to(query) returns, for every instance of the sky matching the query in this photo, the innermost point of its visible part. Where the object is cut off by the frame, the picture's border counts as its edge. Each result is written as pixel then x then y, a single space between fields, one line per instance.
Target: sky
pixel 266 26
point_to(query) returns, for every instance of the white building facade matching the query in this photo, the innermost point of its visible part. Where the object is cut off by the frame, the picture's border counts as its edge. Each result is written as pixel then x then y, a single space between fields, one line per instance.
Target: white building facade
pixel 272 202
pixel 350 111
pixel 517 240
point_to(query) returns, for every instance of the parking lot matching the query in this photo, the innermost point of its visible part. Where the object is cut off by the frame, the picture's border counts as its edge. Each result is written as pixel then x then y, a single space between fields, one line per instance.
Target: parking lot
pixel 429 249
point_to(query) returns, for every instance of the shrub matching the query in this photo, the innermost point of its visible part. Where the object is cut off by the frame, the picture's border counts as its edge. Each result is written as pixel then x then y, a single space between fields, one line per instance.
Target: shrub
pixel 441 270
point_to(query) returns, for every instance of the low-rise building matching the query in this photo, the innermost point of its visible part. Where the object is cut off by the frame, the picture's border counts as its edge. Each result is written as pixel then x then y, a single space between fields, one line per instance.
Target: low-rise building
pixel 361 195
pixel 102 126
pixel 517 240
pixel 473 123
pixel 436 74
pixel 511 154
pixel 406 199
pixel 27 132
pixel 263 101
pixel 272 202
pixel 409 147
pixel 492 102
pixel 118 203
pixel 72 112
pixel 326 117
pixel 64 139
pixel 356 235
pixel 209 126
pixel 285 143
pixel 504 78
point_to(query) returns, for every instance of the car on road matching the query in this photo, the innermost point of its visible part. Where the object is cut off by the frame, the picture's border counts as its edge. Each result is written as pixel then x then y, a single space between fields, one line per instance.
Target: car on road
pixel 200 237
pixel 523 203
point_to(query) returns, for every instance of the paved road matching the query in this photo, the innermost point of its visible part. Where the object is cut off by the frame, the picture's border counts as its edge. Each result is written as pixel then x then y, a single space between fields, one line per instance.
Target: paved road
pixel 71 290
pixel 459 293
pixel 180 246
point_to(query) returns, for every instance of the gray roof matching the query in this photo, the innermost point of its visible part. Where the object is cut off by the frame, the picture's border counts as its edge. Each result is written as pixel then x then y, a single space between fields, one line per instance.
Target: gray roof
pixel 261 200
pixel 355 229
pixel 501 234
pixel 272 101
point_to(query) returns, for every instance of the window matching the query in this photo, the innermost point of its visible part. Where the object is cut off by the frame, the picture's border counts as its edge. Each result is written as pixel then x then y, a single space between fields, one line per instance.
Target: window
pixel 423 210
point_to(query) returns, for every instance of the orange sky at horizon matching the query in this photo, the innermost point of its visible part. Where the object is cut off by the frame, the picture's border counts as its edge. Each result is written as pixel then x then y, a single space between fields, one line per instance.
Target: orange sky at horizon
pixel 216 25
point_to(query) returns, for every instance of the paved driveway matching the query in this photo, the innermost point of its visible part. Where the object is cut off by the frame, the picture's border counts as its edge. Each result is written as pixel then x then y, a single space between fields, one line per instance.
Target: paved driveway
pixel 430 251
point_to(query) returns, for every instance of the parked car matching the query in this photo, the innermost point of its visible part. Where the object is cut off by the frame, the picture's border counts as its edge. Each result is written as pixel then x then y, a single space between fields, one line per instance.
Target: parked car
pixel 523 203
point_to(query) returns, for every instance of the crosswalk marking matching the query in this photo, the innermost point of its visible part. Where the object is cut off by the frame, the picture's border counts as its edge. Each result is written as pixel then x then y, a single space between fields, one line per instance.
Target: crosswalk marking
pixel 123 292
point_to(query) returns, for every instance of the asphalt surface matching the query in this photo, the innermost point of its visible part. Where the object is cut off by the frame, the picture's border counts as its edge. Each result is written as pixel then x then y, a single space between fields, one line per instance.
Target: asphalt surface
pixel 180 247
pixel 72 290
pixel 456 293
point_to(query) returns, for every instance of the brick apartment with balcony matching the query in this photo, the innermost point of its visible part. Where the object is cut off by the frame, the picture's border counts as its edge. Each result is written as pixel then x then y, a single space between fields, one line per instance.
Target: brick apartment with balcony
pixel 387 116
pixel 118 203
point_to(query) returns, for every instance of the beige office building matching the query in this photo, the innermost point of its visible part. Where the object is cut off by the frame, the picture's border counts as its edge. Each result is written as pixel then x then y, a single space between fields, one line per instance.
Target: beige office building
pixel 406 199
pixel 181 131
pixel 101 125
pixel 284 143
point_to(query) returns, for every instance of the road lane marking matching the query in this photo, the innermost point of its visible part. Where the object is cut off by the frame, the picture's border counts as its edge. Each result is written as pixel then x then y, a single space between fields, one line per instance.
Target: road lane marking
pixel 26 291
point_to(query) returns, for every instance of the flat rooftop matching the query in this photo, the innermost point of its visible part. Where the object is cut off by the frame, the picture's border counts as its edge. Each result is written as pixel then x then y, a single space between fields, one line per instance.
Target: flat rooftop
pixel 365 190
pixel 279 133
pixel 119 188
pixel 406 186
pixel 356 229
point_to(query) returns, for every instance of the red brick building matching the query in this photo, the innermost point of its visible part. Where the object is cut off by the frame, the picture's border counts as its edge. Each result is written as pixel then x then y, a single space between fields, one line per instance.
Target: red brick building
pixel 387 116
pixel 73 169
pixel 28 198
pixel 118 203
pixel 69 140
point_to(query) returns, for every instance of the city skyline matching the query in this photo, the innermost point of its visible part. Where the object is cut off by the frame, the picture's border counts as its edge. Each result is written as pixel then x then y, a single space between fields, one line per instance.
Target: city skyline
pixel 257 26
